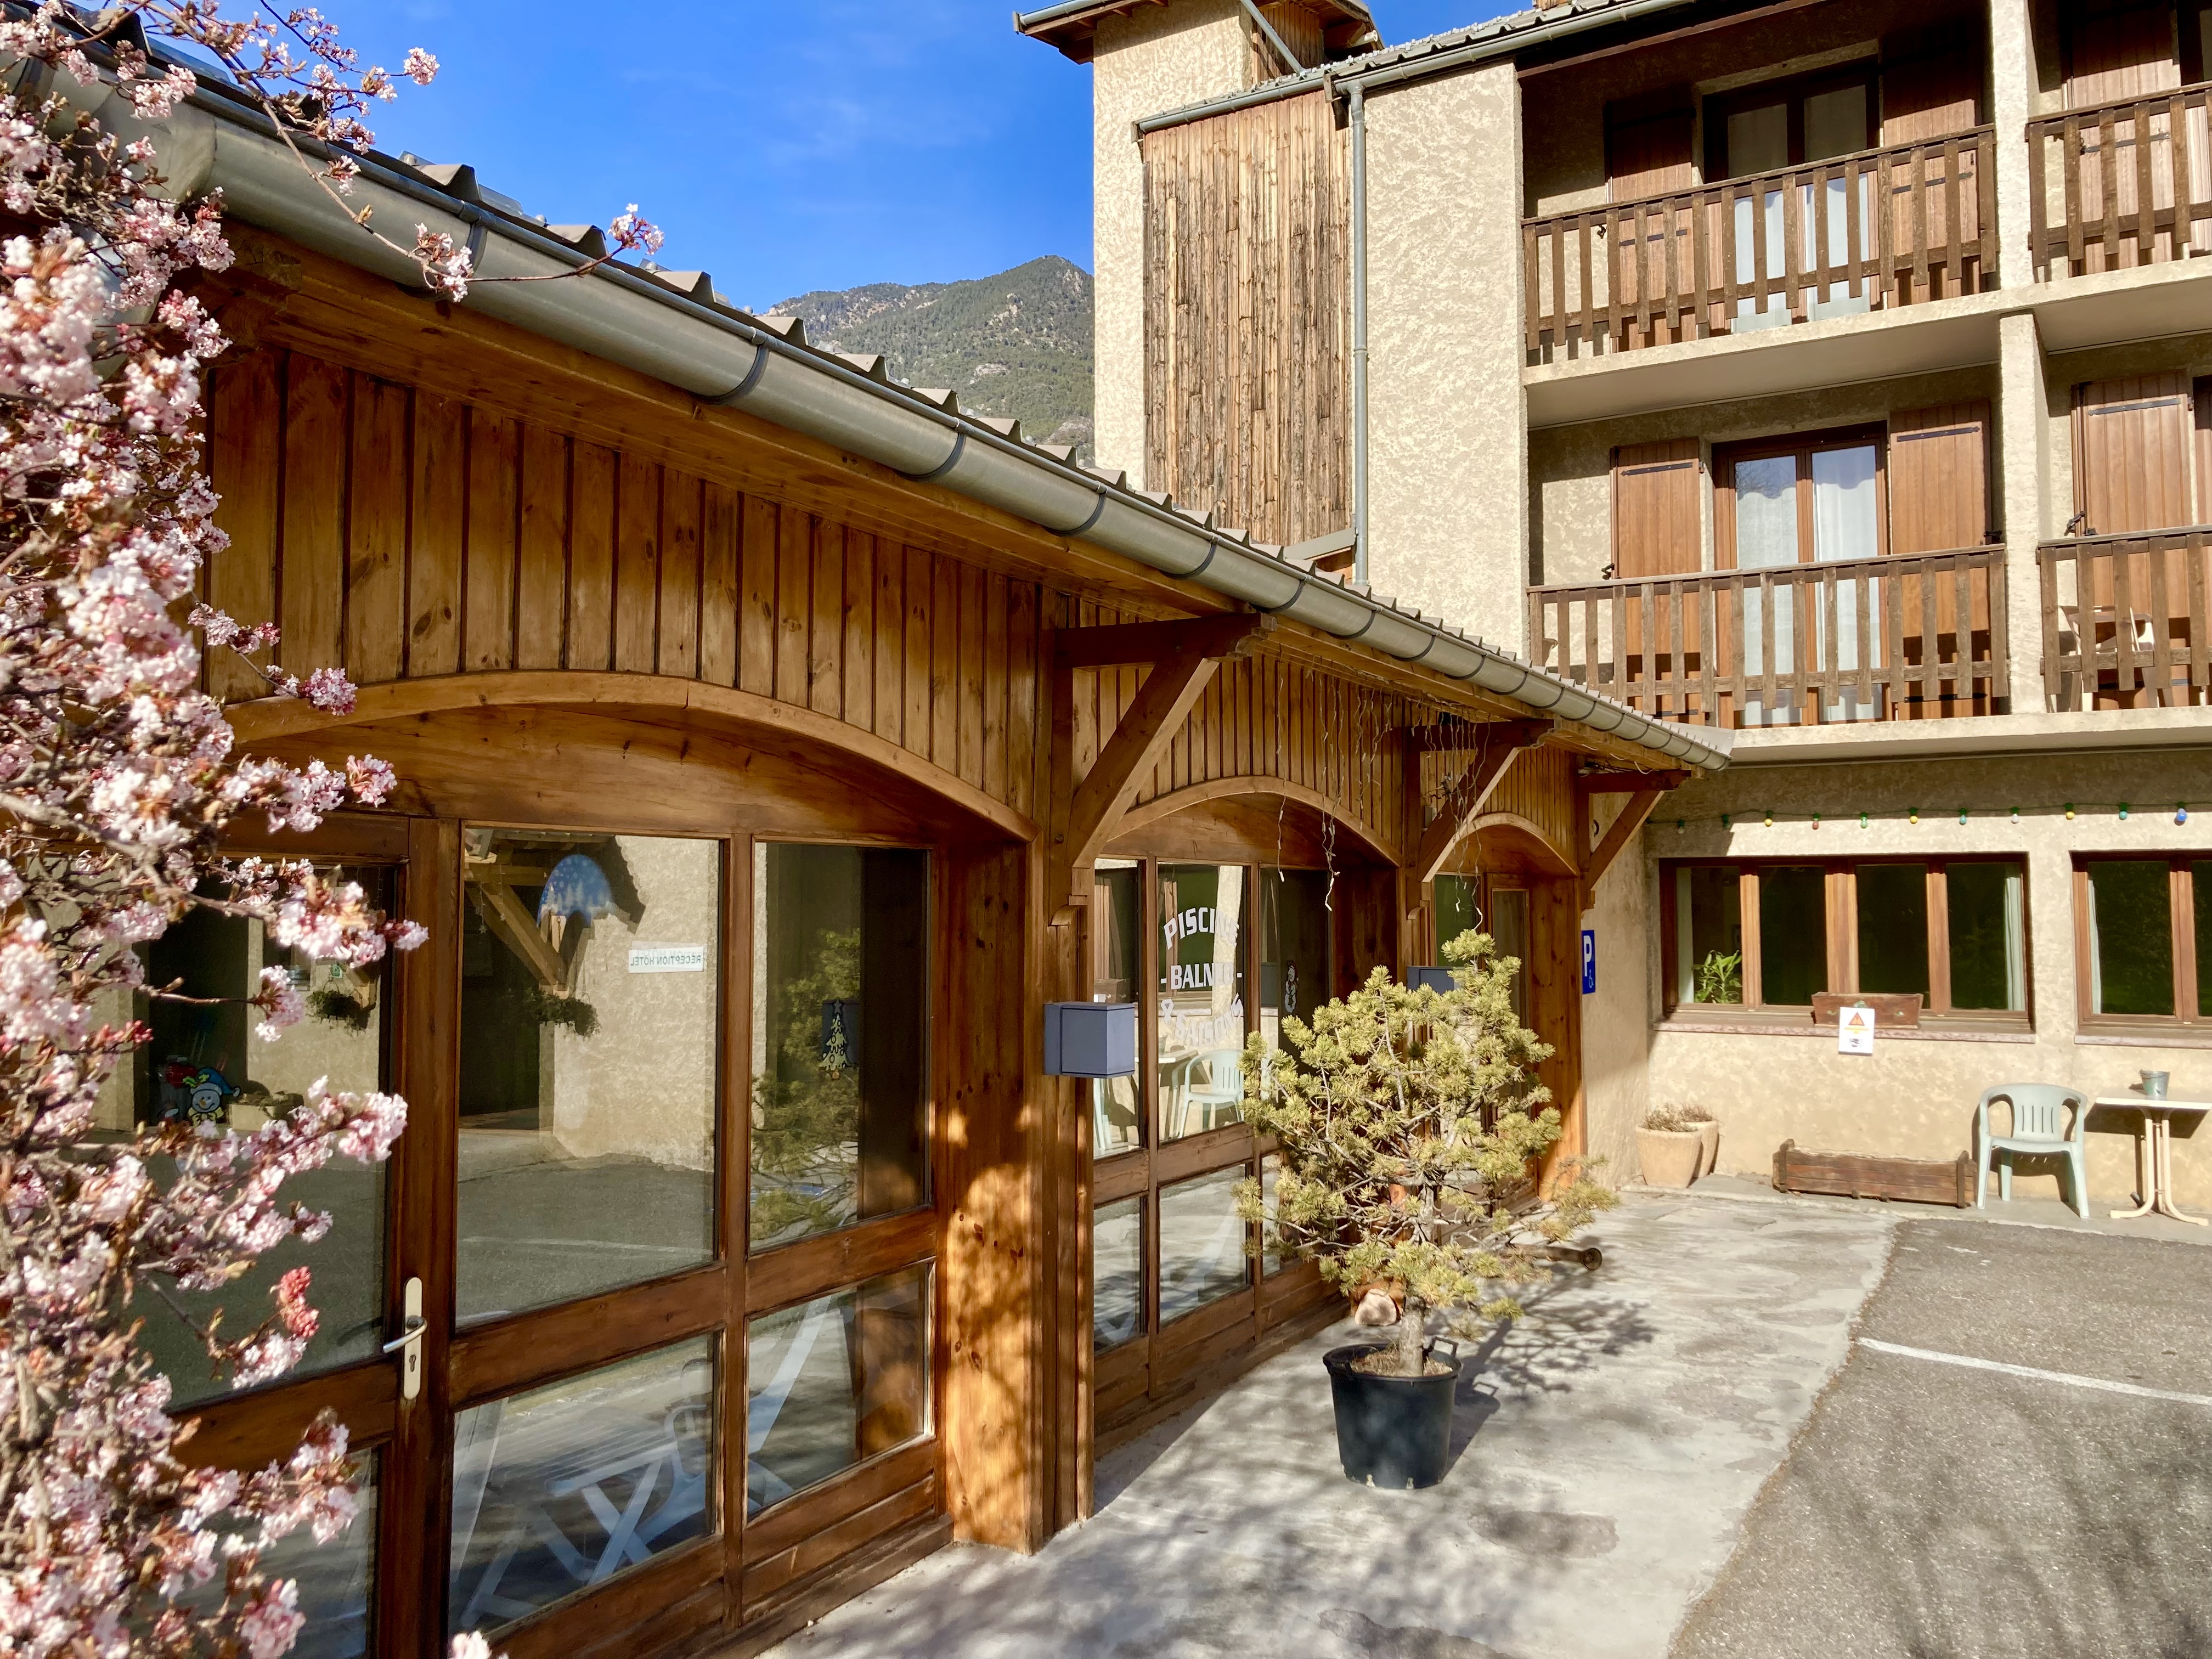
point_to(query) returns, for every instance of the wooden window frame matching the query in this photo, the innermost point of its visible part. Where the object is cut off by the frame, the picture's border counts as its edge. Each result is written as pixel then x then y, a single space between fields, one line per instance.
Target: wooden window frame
pixel 1144 1170
pixel 1803 446
pixel 1790 91
pixel 2186 1021
pixel 1841 881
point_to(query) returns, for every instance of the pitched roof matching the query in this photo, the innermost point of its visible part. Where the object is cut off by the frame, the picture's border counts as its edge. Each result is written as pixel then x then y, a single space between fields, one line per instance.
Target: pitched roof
pixel 1072 25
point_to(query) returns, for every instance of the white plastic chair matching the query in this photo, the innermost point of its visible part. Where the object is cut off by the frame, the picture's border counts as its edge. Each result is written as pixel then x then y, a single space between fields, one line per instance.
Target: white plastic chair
pixel 2039 1129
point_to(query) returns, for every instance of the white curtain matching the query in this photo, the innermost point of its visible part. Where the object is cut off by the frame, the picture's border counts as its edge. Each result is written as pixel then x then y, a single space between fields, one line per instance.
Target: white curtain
pixel 2016 942
pixel 1845 528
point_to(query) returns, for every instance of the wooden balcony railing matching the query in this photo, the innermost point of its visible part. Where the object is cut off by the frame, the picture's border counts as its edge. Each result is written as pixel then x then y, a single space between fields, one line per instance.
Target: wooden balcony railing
pixel 2120 184
pixel 1856 640
pixel 1882 227
pixel 2126 622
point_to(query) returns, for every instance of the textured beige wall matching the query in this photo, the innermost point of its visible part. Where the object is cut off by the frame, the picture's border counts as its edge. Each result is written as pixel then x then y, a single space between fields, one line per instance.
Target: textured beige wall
pixel 1156 58
pixel 1448 439
pixel 1570 467
pixel 1915 1097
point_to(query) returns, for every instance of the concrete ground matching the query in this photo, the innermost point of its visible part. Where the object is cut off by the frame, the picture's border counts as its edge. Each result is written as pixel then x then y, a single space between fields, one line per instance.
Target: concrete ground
pixel 1608 1447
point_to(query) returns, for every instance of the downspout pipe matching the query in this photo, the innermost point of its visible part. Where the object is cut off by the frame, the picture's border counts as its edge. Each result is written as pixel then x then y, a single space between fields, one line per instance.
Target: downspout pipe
pixel 1358 116
pixel 677 334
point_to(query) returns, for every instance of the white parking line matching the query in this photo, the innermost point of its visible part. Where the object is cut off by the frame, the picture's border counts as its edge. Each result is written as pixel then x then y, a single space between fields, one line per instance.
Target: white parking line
pixel 2031 1372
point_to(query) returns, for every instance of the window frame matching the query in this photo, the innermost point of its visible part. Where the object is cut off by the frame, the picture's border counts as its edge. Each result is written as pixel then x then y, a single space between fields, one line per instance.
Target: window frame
pixel 2187 1019
pixel 1840 889
pixel 1791 92
pixel 1801 446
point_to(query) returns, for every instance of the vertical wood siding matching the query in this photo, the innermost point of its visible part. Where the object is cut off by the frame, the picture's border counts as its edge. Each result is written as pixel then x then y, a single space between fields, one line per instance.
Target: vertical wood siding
pixel 401 535
pixel 1246 318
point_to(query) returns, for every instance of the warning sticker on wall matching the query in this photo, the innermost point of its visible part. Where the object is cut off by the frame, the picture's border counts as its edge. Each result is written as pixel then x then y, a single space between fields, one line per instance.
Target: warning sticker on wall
pixel 1855 1031
pixel 668 959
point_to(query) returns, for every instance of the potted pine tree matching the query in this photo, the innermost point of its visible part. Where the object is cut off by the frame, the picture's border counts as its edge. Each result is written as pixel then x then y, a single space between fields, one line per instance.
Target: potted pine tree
pixel 1410 1125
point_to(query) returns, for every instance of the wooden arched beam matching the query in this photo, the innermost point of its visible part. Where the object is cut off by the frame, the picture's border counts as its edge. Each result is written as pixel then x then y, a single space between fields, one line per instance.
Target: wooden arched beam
pixel 1555 859
pixel 1369 840
pixel 269 718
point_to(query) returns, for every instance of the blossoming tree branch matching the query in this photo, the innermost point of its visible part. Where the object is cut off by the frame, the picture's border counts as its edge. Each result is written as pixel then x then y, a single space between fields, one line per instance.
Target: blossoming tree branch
pixel 118 783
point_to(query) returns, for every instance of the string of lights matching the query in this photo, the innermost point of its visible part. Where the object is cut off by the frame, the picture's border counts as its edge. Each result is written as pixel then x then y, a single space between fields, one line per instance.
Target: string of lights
pixel 1767 819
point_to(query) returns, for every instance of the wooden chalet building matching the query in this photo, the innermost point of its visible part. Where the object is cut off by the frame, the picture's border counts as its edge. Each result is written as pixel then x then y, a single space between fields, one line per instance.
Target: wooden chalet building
pixel 776 742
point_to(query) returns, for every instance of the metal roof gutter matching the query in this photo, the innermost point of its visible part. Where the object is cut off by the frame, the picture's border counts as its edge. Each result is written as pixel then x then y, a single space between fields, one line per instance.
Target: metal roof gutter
pixel 1398 71
pixel 673 329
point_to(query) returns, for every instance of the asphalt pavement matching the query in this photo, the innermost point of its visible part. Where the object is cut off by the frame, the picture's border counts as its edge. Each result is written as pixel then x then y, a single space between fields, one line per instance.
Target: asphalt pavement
pixel 2053 1499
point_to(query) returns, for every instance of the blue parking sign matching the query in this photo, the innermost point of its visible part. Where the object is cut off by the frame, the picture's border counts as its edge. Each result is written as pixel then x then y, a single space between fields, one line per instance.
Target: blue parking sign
pixel 1589 962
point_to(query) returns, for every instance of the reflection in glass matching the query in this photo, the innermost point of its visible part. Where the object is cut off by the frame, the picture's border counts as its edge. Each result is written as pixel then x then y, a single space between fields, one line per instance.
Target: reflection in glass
pixel 1509 923
pixel 1113 979
pixel 1892 928
pixel 1117 1273
pixel 833 1382
pixel 1293 947
pixel 1793 936
pixel 203 1064
pixel 2131 937
pixel 841 1037
pixel 1202 1243
pixel 1273 1258
pixel 561 1488
pixel 591 988
pixel 334 1579
pixel 1200 987
pixel 1457 911
pixel 1987 935
pixel 1707 935
pixel 1766 539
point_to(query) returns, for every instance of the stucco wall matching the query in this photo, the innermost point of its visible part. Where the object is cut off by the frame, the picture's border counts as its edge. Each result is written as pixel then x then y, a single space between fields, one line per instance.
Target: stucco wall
pixel 1448 441
pixel 1914 1096
pixel 1570 467
pixel 1156 58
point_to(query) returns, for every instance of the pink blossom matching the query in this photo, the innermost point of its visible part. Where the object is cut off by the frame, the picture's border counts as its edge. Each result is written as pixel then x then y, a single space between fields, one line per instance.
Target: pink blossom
pixel 272 1623
pixel 421 68
pixel 330 690
pixel 370 779
pixel 446 265
pixel 629 232
pixel 281 1003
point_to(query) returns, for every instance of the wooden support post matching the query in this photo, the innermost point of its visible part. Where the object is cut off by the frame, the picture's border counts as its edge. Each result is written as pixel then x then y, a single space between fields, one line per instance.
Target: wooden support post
pixel 1429 844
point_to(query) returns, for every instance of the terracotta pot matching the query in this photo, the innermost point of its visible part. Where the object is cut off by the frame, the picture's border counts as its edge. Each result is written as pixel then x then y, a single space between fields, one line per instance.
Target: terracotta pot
pixel 1670 1157
pixel 1709 1156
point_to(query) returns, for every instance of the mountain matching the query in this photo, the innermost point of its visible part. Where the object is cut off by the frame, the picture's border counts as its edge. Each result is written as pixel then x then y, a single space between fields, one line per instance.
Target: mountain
pixel 1018 344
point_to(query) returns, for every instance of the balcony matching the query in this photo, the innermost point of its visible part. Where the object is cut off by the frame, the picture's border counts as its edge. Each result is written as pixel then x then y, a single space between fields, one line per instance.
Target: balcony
pixel 2119 185
pixel 1794 245
pixel 1782 646
pixel 2125 621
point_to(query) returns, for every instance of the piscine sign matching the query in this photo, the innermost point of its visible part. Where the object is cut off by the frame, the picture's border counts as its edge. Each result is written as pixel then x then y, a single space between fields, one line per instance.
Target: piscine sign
pixel 668 959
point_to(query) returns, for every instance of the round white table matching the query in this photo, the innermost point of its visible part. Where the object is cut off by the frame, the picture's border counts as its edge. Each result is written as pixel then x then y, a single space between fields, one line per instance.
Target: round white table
pixel 2155 1151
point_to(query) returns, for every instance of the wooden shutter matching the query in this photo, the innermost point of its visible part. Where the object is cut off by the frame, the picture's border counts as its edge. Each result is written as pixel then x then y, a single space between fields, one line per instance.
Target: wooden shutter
pixel 1929 89
pixel 1939 490
pixel 1648 145
pixel 2131 443
pixel 2119 51
pixel 1655 530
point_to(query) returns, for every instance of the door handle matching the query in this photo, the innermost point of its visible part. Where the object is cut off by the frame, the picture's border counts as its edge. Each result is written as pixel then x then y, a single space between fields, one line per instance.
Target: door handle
pixel 408 1345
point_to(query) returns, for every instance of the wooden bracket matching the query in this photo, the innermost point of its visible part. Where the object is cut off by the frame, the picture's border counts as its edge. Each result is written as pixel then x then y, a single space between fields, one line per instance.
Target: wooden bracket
pixel 1120 643
pixel 1500 741
pixel 1633 813
pixel 1184 656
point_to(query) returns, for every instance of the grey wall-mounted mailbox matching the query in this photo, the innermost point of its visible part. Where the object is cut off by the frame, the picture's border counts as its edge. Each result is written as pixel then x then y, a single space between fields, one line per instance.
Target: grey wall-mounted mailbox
pixel 1431 979
pixel 1090 1039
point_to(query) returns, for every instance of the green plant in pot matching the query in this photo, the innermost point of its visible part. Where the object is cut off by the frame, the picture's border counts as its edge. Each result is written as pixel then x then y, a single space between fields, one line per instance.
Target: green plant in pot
pixel 1410 1125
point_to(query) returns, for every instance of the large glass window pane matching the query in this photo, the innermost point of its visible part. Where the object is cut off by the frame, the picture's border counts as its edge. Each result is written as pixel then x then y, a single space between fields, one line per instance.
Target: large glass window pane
pixel 2200 880
pixel 1273 1258
pixel 1708 935
pixel 205 1065
pixel 1766 512
pixel 841 1037
pixel 1201 997
pixel 1988 923
pixel 1892 928
pixel 1509 922
pixel 1758 139
pixel 1114 924
pixel 1836 122
pixel 1293 947
pixel 1117 1273
pixel 334 1579
pixel 591 1002
pixel 1455 910
pixel 2131 937
pixel 561 1488
pixel 1202 1255
pixel 833 1382
pixel 1793 936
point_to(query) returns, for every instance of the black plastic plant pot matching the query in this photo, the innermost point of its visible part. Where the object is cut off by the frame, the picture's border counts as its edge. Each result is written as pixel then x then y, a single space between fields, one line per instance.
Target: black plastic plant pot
pixel 1393 1432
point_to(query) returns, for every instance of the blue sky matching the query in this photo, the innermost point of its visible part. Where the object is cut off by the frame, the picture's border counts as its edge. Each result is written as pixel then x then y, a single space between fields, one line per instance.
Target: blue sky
pixel 813 144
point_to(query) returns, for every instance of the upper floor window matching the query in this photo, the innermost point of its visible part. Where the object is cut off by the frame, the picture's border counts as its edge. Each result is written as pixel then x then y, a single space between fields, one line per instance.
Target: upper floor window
pixel 1791 123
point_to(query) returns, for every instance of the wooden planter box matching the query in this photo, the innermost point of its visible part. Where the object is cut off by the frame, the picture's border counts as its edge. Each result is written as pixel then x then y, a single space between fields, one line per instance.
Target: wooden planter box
pixel 1854 1175
pixel 1893 1010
